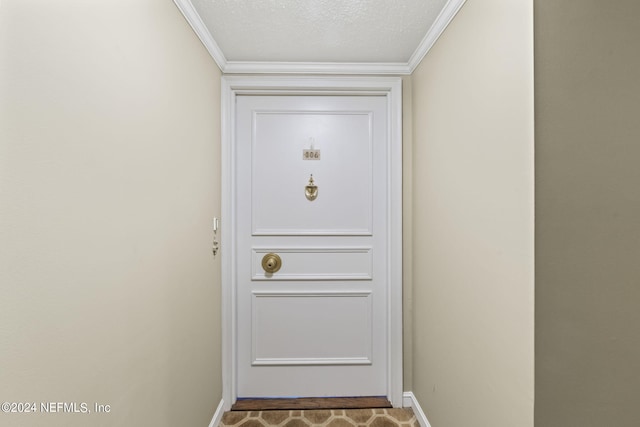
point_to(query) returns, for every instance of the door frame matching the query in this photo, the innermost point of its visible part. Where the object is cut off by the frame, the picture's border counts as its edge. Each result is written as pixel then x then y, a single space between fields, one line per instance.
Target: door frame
pixel 391 88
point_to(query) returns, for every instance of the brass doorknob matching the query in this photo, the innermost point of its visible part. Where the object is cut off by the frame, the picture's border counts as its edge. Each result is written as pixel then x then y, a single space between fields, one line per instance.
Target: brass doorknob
pixel 271 262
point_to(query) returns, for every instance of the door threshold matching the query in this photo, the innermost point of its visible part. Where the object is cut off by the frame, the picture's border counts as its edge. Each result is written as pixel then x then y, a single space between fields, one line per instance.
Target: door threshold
pixel 300 403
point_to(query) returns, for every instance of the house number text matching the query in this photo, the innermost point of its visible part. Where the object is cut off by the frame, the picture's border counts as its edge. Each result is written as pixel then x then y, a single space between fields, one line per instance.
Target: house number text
pixel 310 154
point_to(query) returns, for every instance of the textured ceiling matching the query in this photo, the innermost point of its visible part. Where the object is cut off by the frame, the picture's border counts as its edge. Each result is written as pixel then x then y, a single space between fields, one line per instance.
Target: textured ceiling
pixel 318 30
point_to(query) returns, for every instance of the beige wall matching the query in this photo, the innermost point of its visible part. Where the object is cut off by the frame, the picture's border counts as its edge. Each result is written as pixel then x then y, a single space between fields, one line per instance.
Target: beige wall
pixel 473 283
pixel 587 213
pixel 407 234
pixel 109 180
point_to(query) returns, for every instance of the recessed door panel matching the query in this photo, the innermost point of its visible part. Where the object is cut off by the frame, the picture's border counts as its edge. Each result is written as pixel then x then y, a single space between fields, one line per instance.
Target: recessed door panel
pixel 341 171
pixel 341 263
pixel 330 328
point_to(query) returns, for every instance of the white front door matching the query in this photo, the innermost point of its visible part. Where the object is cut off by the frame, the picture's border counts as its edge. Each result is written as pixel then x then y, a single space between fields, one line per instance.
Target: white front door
pixel 312 194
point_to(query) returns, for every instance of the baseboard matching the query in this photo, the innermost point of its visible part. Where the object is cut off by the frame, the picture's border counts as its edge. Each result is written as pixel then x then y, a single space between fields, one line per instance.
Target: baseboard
pixel 409 401
pixel 217 416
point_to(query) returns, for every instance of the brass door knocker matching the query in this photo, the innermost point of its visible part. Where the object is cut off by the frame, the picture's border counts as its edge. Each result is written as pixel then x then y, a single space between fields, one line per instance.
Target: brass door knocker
pixel 311 190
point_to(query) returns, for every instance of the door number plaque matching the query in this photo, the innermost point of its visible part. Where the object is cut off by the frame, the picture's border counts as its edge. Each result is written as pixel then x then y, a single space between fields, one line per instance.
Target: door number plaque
pixel 310 154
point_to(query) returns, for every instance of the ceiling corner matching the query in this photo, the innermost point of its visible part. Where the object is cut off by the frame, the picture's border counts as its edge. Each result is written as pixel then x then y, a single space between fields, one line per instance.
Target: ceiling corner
pixel 447 14
pixel 193 18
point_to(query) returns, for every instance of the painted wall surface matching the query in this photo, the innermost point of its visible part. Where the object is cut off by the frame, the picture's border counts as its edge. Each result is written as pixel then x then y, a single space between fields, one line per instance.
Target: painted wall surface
pixel 407 234
pixel 473 218
pixel 109 180
pixel 587 213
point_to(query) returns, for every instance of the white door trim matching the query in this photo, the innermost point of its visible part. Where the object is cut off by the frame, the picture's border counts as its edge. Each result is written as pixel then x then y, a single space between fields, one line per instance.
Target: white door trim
pixel 391 88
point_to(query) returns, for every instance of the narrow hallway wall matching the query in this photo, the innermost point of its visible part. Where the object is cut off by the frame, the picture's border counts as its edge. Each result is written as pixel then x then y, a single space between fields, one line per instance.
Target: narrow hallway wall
pixel 407 234
pixel 473 266
pixel 109 180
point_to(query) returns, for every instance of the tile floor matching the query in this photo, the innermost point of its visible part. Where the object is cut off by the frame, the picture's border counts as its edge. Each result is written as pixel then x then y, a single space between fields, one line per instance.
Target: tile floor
pixel 392 417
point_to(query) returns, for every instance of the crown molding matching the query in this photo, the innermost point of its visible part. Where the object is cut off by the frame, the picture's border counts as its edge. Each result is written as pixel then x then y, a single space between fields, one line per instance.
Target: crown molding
pixel 190 13
pixel 193 18
pixel 242 67
pixel 443 20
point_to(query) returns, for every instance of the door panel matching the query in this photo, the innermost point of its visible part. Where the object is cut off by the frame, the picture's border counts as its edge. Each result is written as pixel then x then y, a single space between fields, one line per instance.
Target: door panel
pixel 344 202
pixel 317 320
pixel 316 264
pixel 317 326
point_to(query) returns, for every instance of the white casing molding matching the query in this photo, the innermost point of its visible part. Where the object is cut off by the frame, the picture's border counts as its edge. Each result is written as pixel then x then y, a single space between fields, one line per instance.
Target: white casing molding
pixel 449 11
pixel 391 87
pixel 217 416
pixel 366 68
pixel 409 401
